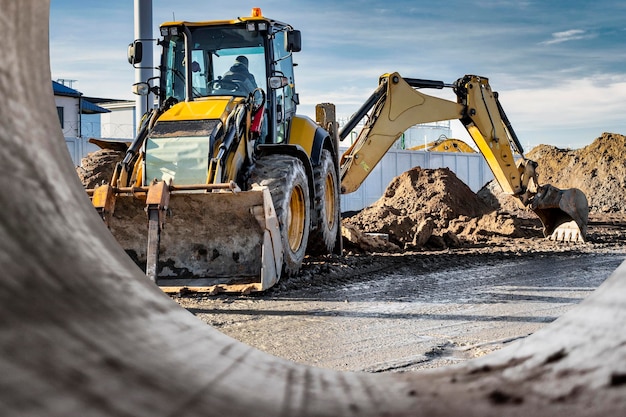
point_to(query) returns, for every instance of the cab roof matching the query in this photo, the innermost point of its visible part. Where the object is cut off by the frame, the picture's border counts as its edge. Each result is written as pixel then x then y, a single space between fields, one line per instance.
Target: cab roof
pixel 255 17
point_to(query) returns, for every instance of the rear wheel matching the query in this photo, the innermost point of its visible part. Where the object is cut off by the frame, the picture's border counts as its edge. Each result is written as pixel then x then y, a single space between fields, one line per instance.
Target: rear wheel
pixel 324 233
pixel 286 179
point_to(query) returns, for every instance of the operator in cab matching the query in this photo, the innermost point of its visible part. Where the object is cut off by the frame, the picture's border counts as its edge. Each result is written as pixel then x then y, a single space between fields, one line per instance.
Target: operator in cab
pixel 240 75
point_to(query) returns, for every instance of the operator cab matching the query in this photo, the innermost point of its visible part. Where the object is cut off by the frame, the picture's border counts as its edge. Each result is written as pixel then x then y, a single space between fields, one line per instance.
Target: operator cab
pixel 246 57
pixel 225 61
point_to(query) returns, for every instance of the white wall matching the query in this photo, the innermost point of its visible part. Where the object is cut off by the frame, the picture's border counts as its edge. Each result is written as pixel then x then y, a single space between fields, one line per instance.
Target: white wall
pixel 70 114
pixel 75 148
pixel 119 124
pixel 116 125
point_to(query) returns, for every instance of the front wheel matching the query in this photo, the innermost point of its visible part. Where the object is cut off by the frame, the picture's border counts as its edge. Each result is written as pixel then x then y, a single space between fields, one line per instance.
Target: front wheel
pixel 324 233
pixel 286 180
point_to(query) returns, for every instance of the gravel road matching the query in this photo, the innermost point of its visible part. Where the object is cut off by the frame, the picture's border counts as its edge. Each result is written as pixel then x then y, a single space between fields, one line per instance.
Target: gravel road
pixel 378 313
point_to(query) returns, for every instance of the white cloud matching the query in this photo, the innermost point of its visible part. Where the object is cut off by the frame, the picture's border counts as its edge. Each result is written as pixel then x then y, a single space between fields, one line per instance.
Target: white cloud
pixel 566 36
pixel 548 114
pixel 574 102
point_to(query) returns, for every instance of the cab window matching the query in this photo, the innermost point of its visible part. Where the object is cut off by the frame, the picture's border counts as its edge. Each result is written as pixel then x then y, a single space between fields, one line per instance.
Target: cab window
pixel 285 100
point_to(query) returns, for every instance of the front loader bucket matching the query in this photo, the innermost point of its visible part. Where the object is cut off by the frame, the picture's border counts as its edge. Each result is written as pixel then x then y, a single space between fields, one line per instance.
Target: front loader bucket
pixel 210 241
pixel 564 213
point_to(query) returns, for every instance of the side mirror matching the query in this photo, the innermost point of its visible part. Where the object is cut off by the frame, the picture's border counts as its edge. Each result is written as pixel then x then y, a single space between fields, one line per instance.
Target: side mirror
pixel 141 89
pixel 293 41
pixel 135 52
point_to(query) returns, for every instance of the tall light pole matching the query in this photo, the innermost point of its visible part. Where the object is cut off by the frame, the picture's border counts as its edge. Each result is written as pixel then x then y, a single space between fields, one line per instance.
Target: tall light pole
pixel 143 30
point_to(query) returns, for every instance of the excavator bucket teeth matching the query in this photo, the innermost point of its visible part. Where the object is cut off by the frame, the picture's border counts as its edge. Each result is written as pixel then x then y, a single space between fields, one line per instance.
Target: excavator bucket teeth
pixel 564 213
pixel 210 242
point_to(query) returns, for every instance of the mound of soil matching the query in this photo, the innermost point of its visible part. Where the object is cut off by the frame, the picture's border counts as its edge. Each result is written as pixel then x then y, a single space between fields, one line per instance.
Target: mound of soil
pixel 97 167
pixel 493 195
pixel 432 208
pixel 598 170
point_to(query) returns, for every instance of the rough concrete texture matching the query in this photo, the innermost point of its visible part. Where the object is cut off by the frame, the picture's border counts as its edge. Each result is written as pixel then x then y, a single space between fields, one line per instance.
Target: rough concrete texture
pixel 82 332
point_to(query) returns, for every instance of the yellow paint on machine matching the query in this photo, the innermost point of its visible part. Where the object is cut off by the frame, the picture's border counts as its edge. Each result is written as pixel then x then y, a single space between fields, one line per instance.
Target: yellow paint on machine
pixel 303 133
pixel 201 109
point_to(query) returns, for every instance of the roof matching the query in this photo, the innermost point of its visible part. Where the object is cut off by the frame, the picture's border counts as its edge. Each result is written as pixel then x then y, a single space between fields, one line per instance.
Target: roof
pixel 87 106
pixel 63 90
pixel 118 104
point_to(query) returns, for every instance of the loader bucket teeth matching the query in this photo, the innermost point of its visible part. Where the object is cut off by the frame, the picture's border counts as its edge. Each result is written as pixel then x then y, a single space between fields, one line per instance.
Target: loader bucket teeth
pixel 564 213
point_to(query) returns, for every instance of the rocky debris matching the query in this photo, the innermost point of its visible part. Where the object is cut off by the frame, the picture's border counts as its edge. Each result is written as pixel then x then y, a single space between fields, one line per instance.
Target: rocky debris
pixel 432 208
pixel 497 199
pixel 355 239
pixel 97 167
pixel 598 170
pixel 510 218
pixel 496 224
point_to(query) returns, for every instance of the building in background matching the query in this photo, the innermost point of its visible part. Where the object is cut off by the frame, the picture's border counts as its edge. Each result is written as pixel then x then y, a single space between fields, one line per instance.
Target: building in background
pixel 119 122
pixel 74 113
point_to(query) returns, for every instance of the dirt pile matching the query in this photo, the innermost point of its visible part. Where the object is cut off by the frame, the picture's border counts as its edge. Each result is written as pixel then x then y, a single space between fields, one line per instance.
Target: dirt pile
pixel 598 170
pixel 431 208
pixel 493 195
pixel 97 167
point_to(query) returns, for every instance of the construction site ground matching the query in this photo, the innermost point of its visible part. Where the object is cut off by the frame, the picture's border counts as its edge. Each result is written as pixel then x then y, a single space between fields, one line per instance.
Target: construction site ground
pixel 434 274
pixel 408 311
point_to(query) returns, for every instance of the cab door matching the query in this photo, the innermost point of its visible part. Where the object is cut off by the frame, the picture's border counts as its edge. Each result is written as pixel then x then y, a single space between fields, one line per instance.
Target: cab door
pixel 285 97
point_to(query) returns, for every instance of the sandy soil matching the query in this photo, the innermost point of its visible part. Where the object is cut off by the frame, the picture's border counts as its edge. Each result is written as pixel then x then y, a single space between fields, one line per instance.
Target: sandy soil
pixel 599 170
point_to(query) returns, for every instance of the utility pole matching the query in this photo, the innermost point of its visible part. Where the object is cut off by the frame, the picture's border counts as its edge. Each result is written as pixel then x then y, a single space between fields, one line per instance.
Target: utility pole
pixel 143 30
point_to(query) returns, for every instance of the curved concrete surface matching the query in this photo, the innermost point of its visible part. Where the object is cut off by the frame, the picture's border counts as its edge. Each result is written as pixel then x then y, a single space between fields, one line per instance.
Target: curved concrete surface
pixel 83 333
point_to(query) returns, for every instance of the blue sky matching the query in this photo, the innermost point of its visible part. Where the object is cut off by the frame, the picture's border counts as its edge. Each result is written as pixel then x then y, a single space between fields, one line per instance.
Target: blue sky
pixel 559 66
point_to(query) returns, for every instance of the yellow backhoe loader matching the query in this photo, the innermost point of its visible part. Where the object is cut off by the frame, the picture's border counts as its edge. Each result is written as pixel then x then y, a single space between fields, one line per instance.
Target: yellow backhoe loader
pixel 397 104
pixel 226 188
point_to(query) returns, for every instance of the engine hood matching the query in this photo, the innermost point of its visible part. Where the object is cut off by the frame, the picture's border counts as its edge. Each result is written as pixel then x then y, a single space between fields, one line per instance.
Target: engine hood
pixel 209 108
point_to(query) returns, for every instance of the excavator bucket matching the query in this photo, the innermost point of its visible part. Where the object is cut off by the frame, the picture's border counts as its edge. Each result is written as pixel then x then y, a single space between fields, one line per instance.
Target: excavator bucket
pixel 205 241
pixel 564 213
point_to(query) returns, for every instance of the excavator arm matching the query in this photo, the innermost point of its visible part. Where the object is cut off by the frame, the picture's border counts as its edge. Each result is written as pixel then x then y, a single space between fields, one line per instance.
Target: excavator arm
pixel 485 121
pixel 397 104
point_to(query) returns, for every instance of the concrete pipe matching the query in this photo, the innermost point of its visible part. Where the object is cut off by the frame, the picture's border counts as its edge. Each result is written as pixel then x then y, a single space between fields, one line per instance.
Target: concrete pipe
pixel 84 333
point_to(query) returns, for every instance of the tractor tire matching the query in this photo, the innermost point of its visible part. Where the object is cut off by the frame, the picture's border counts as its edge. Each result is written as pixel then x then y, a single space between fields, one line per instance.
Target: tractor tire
pixel 323 237
pixel 286 179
